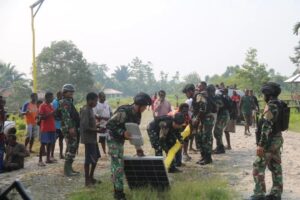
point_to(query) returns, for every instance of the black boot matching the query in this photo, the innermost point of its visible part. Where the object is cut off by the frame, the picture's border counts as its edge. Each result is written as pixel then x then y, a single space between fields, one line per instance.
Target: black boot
pixel 174 170
pixel 272 197
pixel 220 149
pixel 202 158
pixel 119 195
pixel 260 197
pixel 73 171
pixel 207 160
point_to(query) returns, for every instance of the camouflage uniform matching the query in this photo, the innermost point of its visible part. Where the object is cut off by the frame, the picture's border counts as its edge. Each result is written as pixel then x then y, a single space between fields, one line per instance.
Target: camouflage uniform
pixel 221 122
pixel 116 129
pixel 207 117
pixel 69 119
pixel 154 138
pixel 198 105
pixel 271 140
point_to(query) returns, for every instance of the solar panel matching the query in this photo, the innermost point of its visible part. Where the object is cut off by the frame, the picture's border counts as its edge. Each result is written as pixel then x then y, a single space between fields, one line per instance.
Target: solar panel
pixel 146 171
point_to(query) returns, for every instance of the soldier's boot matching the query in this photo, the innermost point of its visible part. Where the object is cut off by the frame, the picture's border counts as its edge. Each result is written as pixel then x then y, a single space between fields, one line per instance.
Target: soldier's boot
pixel 207 159
pixel 255 197
pixel 68 169
pixel 202 158
pixel 220 149
pixel 73 171
pixel 272 197
pixel 119 195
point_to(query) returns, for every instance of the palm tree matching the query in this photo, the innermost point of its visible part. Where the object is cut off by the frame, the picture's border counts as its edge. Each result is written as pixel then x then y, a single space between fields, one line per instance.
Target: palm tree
pixel 14 81
pixel 122 73
pixel 297 28
pixel 9 75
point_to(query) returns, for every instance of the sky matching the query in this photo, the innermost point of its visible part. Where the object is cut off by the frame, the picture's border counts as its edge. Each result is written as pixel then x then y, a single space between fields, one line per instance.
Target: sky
pixel 204 36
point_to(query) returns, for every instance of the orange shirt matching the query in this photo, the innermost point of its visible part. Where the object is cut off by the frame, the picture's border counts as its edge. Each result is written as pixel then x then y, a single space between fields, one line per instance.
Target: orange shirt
pixel 30 117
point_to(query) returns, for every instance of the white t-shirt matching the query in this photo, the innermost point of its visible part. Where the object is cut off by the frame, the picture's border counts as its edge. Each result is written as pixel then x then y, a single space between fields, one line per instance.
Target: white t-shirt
pixel 189 102
pixel 102 110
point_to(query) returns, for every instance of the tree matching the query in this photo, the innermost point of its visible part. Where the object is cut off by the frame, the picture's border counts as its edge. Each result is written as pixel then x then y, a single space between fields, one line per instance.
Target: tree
pixel 230 71
pixel 297 28
pixel 121 73
pixel 98 72
pixel 142 76
pixel 192 77
pixel 296 58
pixel 9 74
pixel 252 74
pixel 63 63
pixel 13 81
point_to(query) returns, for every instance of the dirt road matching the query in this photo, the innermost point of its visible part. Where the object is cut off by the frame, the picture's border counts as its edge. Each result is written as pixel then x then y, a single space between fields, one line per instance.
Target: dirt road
pixel 236 166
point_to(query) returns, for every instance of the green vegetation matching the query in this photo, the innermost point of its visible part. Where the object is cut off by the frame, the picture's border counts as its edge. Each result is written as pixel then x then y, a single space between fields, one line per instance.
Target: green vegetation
pixel 187 186
pixel 294 121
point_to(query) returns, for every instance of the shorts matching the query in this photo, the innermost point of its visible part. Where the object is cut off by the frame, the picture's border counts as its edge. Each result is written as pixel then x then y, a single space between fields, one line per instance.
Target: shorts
pixel 248 118
pixel 48 138
pixel 102 137
pixel 230 127
pixel 92 153
pixel 32 131
pixel 59 134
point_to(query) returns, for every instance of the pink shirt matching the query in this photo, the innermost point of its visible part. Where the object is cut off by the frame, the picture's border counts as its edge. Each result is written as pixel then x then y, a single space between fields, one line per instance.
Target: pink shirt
pixel 161 108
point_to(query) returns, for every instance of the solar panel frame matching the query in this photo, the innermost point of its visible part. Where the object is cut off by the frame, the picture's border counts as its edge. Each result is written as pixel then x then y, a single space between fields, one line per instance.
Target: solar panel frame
pixel 146 171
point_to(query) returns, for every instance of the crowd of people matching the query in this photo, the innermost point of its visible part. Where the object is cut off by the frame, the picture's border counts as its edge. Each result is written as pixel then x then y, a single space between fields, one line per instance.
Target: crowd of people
pixel 209 111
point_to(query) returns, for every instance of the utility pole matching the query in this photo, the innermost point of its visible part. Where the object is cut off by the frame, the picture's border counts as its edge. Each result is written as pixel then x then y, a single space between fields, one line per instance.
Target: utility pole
pixel 37 4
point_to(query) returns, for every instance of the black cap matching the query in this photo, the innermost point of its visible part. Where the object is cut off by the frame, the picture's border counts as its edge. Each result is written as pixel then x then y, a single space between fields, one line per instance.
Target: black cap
pixel 179 118
pixel 271 88
pixel 142 99
pixel 188 87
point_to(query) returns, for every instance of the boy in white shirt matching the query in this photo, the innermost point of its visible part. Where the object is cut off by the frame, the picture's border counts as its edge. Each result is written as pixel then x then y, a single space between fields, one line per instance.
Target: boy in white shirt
pixel 103 113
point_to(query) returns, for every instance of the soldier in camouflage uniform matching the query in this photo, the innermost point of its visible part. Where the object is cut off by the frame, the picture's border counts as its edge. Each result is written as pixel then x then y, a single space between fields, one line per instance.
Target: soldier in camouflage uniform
pixel 204 110
pixel 207 118
pixel 163 133
pixel 223 103
pixel 192 93
pixel 118 135
pixel 69 125
pixel 269 146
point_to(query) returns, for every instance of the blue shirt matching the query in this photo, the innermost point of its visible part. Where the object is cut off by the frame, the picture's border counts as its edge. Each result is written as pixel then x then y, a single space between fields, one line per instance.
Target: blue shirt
pixel 55 104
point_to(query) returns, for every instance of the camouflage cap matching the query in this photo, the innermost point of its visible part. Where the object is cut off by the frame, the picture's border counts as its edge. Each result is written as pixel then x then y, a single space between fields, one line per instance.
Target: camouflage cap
pixel 68 88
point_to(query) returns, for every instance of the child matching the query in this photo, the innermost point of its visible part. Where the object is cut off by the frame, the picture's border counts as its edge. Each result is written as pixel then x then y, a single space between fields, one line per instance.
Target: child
pixel 47 128
pixel 88 136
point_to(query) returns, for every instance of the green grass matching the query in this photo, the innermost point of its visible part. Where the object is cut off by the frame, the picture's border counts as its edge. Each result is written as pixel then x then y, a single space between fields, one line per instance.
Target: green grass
pixel 294 121
pixel 183 187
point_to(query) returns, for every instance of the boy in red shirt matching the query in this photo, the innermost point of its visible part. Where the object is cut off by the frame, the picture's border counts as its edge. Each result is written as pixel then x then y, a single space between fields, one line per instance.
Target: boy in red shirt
pixel 47 127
